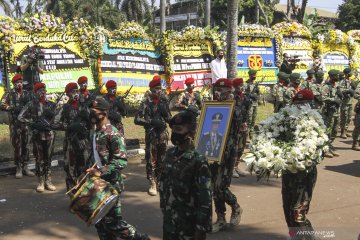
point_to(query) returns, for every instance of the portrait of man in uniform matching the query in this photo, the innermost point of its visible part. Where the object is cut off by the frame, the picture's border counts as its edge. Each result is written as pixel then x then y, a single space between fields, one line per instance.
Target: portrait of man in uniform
pixel 210 142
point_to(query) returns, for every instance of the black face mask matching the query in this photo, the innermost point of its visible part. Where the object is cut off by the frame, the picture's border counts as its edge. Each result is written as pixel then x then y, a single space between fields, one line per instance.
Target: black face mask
pixel 178 139
pixel 94 117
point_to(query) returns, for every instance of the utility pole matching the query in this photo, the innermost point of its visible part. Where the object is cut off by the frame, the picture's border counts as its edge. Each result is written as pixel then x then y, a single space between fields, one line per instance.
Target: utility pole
pixel 162 16
pixel 207 12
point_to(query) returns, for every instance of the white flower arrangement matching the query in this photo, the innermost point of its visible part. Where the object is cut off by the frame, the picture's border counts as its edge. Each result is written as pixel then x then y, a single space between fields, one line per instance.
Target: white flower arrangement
pixel 293 139
pixel 255 30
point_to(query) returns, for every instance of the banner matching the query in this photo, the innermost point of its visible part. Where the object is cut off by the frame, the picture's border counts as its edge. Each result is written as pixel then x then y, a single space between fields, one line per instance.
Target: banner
pixel 335 57
pixel 299 48
pixel 131 62
pixel 191 59
pixel 257 53
pixel 63 61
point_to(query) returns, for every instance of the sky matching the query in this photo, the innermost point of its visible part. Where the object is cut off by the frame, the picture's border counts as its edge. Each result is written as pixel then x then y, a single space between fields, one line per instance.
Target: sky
pixel 330 5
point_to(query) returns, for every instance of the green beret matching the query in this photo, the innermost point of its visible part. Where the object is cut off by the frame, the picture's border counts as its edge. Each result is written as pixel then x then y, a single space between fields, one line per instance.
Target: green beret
pixel 252 72
pixel 347 70
pixel 282 75
pixel 333 72
pixel 310 71
pixel 295 76
pixel 341 74
pixel 319 74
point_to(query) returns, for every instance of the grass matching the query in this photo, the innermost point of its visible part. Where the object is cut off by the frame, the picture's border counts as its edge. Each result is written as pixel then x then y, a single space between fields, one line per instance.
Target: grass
pixel 132 131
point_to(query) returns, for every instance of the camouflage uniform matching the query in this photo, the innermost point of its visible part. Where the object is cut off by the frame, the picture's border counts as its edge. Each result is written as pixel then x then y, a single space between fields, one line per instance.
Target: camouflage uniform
pixel 153 116
pixel 185 194
pixel 117 111
pixel 252 93
pixel 112 153
pixel 331 96
pixel 279 91
pixel 76 142
pixel 297 190
pixel 13 102
pixel 187 99
pixel 35 113
pixel 346 105
pixel 356 132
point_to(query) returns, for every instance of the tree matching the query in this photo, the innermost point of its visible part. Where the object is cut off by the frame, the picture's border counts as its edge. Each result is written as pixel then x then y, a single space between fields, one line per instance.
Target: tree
pixel 17 8
pixel 232 38
pixel 162 16
pixel 295 11
pixel 6 7
pixel 135 10
pixel 54 7
pixel 349 15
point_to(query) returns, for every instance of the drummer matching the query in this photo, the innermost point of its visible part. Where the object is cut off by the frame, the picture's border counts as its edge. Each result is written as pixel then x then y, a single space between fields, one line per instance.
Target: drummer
pixel 110 159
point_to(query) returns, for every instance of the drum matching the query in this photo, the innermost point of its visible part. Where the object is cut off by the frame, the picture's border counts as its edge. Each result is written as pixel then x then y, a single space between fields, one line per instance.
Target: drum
pixel 92 198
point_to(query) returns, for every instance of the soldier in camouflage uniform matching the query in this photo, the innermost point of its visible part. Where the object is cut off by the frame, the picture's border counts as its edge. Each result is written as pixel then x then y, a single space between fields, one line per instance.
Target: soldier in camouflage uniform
pixel 109 153
pixel 188 97
pixel 85 97
pixel 316 89
pixel 279 91
pixel 356 132
pixel 39 113
pixel 185 183
pixel 293 89
pixel 297 189
pixel 252 94
pixel 332 97
pixel 222 172
pixel 117 106
pixel 153 115
pixel 74 120
pixel 242 107
pixel 306 84
pixel 13 102
pixel 348 90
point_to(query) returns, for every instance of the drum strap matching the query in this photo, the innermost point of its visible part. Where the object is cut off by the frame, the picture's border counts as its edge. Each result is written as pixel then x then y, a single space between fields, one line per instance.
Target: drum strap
pixel 96 153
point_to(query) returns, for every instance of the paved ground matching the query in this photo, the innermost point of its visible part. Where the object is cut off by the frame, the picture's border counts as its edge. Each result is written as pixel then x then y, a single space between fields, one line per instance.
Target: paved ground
pixel 335 208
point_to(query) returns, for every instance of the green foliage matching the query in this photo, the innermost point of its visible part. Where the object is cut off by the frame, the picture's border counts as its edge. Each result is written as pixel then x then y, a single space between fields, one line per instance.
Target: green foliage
pixel 349 15
pixel 246 10
pixel 315 25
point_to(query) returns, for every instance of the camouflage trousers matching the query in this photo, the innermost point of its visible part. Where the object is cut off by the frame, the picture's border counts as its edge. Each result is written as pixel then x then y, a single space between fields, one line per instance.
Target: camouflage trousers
pixel 155 150
pixel 20 141
pixel 42 150
pixel 221 175
pixel 331 122
pixel 345 116
pixel 297 190
pixel 278 106
pixel 76 161
pixel 112 226
pixel 252 119
pixel 356 132
pixel 241 146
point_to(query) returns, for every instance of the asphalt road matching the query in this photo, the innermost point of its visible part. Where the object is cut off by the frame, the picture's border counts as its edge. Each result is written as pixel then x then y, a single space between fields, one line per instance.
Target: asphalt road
pixel 335 208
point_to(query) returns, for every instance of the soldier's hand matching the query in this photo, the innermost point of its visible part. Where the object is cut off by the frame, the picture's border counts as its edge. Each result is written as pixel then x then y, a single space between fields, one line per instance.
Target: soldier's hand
pixel 200 235
pixel 94 172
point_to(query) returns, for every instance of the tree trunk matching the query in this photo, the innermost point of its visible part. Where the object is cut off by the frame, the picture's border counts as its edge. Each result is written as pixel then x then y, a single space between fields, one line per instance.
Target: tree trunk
pixel 207 12
pixel 162 16
pixel 262 12
pixel 302 11
pixel 232 38
pixel 256 11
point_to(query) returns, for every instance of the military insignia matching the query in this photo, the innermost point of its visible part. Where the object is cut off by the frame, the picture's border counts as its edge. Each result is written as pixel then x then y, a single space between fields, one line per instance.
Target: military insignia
pixel 255 62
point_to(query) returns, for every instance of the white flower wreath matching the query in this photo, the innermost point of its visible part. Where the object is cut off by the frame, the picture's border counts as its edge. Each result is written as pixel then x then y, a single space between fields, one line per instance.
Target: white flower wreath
pixel 293 139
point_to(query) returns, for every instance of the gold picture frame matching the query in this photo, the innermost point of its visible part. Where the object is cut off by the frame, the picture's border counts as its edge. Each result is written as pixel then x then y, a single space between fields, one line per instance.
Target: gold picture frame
pixel 213 129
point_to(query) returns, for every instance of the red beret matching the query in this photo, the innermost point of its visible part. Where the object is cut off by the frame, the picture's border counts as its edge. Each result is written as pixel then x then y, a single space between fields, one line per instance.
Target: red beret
pixel 17 77
pixel 157 78
pixel 189 81
pixel 238 82
pixel 155 82
pixel 304 95
pixel 82 79
pixel 223 82
pixel 39 85
pixel 110 84
pixel 70 86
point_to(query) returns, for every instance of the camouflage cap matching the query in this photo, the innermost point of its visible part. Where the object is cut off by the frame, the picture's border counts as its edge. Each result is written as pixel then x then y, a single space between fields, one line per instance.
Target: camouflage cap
pixel 294 76
pixel 252 72
pixel 282 75
pixel 333 72
pixel 319 74
pixel 310 71
pixel 347 70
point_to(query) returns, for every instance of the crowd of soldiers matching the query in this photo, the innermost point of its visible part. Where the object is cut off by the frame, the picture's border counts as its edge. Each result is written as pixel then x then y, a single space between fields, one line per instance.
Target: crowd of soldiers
pixel 181 175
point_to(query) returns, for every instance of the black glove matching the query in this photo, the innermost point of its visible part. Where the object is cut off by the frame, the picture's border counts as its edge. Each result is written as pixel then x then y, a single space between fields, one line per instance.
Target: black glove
pixel 157 124
pixel 41 125
pixel 200 235
pixel 48 114
pixel 75 127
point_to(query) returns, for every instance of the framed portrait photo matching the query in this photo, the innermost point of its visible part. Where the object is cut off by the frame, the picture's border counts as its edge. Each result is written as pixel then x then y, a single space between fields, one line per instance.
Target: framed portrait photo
pixel 213 129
